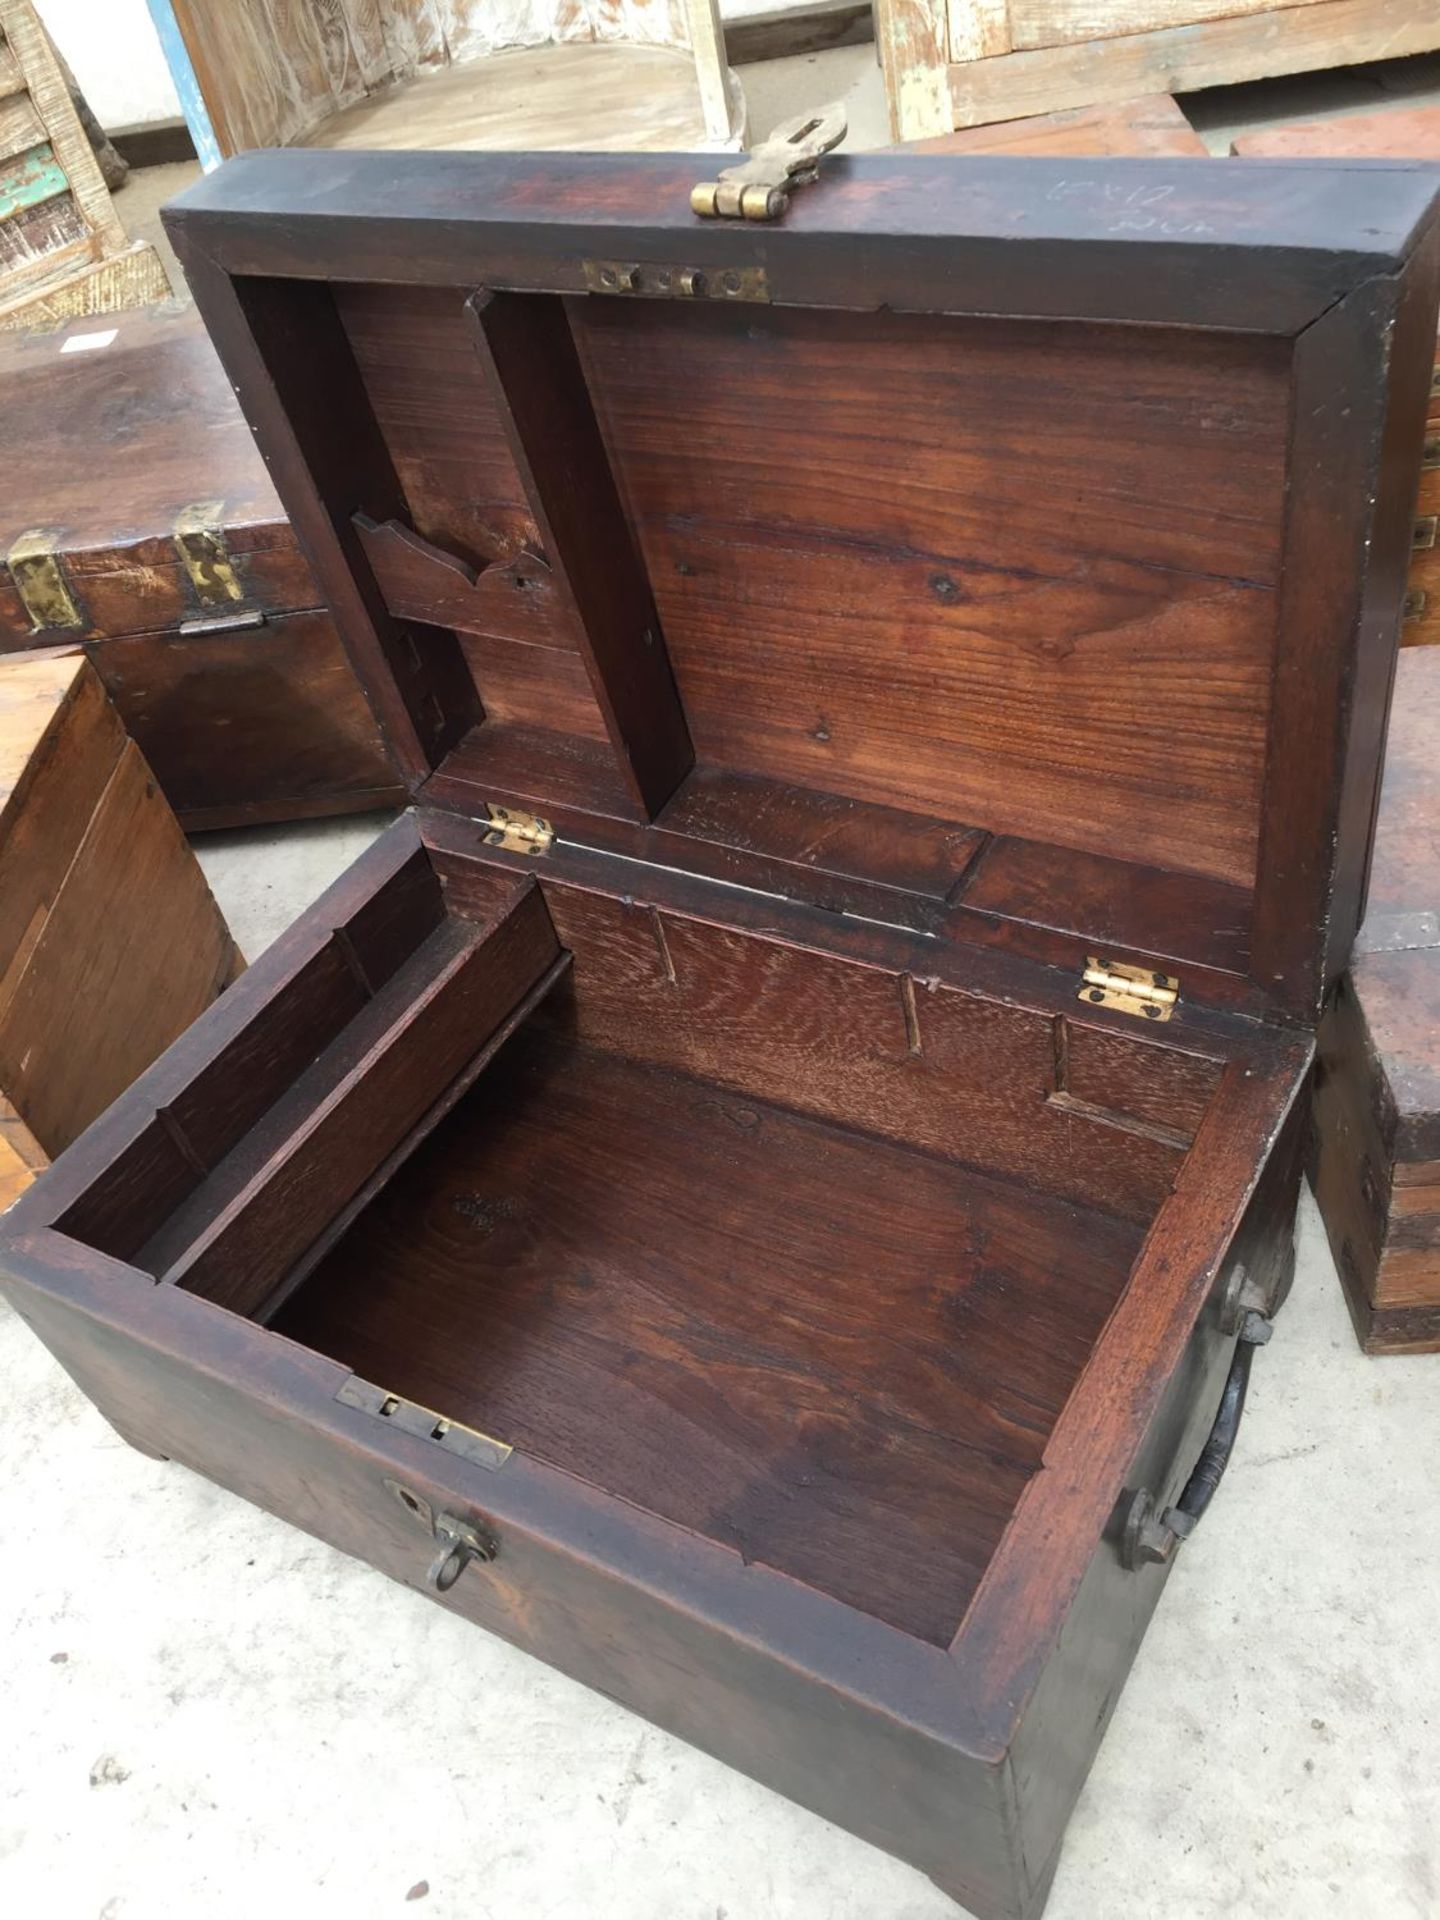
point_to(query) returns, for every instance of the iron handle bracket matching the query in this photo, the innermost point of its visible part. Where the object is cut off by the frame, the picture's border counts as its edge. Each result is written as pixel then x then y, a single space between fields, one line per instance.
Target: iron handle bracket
pixel 1152 1536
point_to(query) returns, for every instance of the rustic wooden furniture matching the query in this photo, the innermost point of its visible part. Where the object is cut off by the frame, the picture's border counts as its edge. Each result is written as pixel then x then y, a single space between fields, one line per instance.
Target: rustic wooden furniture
pixel 138 520
pixel 962 63
pixel 1376 1151
pixel 1395 132
pixel 419 73
pixel 110 942
pixel 1151 125
pixel 765 1187
pixel 63 251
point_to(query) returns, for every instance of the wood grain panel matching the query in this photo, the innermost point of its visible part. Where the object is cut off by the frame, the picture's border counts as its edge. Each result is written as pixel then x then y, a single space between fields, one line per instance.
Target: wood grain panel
pixel 1152 124
pixel 562 1266
pixel 131 951
pixel 1179 59
pixel 961 1077
pixel 1021 576
pixel 1051 23
pixel 417 358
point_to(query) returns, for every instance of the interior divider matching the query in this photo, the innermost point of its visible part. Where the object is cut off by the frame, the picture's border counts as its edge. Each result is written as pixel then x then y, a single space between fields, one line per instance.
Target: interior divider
pixel 306 401
pixel 530 358
pixel 242 1228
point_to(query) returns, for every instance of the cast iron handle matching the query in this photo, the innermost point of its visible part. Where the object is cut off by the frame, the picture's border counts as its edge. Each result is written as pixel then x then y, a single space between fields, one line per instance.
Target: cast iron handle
pixel 1150 1537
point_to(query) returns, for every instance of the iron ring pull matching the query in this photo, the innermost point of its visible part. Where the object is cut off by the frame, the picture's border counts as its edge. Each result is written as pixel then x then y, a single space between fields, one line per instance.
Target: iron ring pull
pixel 457 1543
pixel 1150 1537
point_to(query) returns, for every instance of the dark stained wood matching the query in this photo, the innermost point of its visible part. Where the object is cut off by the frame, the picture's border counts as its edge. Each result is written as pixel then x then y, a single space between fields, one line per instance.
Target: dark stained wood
pixel 858 1414
pixel 513 600
pixel 927 594
pixel 1375 1155
pixel 439 420
pixel 540 393
pixel 872 1048
pixel 303 393
pixel 1282 242
pixel 837 1274
pixel 250 725
pixel 1340 603
pixel 107 448
pixel 259 1209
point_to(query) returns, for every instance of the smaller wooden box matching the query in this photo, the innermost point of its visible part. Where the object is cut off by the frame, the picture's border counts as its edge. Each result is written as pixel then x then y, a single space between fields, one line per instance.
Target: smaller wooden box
pixel 1376 1154
pixel 110 940
pixel 138 521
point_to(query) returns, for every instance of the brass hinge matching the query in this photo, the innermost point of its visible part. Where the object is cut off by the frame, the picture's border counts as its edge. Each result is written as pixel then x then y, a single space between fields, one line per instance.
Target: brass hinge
pixel 199 540
pixel 1423 538
pixel 1415 604
pixel 517 832
pixel 648 281
pixel 39 576
pixel 1128 989
pixel 759 188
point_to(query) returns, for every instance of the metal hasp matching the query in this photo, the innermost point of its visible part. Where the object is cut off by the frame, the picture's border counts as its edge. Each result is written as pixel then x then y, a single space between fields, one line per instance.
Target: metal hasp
pixel 517 832
pixel 1129 989
pixel 760 187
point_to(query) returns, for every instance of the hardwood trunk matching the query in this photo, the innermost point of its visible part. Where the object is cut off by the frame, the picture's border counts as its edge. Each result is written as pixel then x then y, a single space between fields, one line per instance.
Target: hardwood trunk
pixel 763 1189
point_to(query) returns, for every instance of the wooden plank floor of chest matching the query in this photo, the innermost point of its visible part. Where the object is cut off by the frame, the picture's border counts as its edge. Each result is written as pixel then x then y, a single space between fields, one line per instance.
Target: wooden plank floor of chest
pixel 764 1187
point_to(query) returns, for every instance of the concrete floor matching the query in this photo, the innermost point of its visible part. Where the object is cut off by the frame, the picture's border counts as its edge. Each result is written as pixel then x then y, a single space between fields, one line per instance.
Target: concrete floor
pixel 207 1713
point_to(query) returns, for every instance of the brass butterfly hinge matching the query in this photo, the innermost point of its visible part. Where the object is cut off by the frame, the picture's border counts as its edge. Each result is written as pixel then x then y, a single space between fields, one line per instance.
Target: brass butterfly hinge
pixel 1128 989
pixel 517 832
pixel 759 188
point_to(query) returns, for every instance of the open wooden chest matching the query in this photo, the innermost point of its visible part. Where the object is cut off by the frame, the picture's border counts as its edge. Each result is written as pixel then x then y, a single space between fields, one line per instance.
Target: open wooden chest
pixel 764 1188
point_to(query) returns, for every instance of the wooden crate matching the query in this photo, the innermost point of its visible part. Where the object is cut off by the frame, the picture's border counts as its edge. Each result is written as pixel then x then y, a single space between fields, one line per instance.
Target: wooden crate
pixel 966 63
pixel 63 251
pixel 110 940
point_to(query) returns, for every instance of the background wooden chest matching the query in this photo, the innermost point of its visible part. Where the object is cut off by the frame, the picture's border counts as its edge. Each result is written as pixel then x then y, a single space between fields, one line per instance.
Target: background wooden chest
pixel 1377 1104
pixel 764 1189
pixel 138 521
pixel 110 942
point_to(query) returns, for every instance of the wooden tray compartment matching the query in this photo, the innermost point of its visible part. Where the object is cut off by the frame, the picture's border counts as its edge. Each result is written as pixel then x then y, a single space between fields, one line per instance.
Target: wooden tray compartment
pixel 785 1249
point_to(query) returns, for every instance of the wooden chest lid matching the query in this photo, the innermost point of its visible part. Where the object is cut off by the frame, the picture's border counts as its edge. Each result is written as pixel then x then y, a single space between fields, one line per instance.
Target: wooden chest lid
pixel 1008 549
pixel 133 499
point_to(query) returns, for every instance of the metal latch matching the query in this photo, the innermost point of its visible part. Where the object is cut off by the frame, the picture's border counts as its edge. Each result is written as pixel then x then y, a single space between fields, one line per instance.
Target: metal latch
pixel 759 188
pixel 1129 989
pixel 517 832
